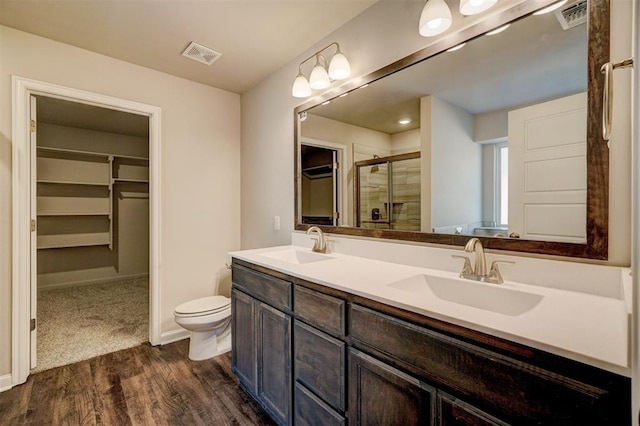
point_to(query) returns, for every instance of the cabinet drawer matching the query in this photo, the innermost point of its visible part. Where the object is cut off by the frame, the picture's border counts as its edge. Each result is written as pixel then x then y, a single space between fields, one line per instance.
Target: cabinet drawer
pixel 311 411
pixel 494 382
pixel 268 289
pixel 320 310
pixel 320 364
pixel 452 411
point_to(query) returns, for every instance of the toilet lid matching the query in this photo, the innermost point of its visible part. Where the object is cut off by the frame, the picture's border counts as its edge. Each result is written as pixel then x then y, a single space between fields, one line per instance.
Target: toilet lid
pixel 204 304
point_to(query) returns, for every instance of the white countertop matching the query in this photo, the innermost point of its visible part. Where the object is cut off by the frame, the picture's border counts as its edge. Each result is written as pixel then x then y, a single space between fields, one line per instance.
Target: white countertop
pixel 586 327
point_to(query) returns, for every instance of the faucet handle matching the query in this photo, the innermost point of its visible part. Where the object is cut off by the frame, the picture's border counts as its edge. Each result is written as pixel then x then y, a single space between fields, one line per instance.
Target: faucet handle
pixel 494 272
pixel 466 269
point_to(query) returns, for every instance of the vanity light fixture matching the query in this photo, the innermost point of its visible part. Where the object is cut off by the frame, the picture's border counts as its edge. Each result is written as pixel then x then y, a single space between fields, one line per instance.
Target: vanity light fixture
pixel 321 75
pixel 498 30
pixel 550 8
pixel 473 7
pixel 435 18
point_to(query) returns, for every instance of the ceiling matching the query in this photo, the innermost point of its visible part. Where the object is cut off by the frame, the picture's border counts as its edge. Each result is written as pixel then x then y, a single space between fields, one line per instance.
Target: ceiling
pixel 255 37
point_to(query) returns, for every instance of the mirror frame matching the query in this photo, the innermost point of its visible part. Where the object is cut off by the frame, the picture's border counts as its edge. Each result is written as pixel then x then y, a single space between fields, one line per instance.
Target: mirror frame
pixel 597 203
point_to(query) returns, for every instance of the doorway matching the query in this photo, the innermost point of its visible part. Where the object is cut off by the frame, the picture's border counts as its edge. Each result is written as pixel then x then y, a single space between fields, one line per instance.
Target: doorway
pixel 323 184
pixel 96 232
pixel 91 202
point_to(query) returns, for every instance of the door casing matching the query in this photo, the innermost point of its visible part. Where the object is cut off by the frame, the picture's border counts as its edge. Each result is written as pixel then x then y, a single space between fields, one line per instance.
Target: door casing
pixel 22 284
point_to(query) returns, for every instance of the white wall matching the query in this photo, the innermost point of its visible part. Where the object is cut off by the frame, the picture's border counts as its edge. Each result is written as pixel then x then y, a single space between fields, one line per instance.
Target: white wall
pixel 200 211
pixel 405 142
pixel 456 167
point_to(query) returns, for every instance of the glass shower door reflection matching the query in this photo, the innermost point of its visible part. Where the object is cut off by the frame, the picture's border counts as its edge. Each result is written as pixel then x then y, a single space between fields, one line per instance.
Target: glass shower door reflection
pixel 405 195
pixel 388 192
pixel 374 196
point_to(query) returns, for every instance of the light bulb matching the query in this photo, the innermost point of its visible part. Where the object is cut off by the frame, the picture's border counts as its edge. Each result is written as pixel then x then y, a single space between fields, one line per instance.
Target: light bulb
pixel 435 18
pixel 319 78
pixel 434 23
pixel 339 67
pixel 301 88
pixel 473 7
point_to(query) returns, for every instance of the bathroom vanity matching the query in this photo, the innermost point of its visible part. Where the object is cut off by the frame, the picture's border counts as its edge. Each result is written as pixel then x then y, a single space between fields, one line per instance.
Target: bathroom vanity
pixel 312 353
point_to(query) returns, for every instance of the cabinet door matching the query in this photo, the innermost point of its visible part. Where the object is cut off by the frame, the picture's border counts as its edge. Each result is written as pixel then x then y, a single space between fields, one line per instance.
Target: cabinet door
pixel 452 411
pixel 381 395
pixel 274 362
pixel 243 336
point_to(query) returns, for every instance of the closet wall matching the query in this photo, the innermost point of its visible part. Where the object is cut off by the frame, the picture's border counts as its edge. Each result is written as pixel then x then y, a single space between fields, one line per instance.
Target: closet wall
pixel 92 194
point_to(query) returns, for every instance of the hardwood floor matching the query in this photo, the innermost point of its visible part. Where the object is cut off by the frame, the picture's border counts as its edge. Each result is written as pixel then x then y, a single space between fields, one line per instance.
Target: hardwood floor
pixel 143 385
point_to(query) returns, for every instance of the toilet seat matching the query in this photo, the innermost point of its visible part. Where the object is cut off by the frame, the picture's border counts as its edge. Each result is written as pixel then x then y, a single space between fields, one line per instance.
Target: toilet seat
pixel 203 306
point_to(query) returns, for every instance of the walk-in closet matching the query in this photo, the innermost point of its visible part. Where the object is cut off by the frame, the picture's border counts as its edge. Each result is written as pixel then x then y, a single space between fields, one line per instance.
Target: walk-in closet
pixel 91 186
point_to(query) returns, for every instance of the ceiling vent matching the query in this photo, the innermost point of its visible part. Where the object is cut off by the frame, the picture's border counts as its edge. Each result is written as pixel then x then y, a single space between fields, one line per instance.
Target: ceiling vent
pixel 201 53
pixel 573 14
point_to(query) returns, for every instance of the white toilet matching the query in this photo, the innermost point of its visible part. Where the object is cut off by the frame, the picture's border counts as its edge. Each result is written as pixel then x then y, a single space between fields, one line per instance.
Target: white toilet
pixel 209 320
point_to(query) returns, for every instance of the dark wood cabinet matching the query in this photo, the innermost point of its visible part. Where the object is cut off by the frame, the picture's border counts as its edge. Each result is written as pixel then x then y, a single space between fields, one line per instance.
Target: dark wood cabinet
pixel 309 410
pixel 312 355
pixel 453 412
pixel 382 395
pixel 274 361
pixel 243 339
pixel 320 364
pixel 262 341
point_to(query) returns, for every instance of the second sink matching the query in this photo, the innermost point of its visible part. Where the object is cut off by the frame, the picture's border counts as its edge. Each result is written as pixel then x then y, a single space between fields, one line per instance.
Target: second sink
pixel 488 297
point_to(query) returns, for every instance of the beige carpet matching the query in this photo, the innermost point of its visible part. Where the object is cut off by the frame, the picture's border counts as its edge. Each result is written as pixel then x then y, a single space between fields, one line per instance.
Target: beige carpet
pixel 78 323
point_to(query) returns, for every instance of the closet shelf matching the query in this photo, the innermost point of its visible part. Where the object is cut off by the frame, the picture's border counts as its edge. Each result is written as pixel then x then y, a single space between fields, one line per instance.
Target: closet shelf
pixel 122 180
pixel 73 240
pixel 91 153
pixel 72 151
pixel 60 182
pixel 74 214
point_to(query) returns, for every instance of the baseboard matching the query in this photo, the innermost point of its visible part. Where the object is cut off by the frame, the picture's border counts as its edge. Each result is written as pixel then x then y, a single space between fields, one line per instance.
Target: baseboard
pixel 6 382
pixel 173 336
pixel 92 281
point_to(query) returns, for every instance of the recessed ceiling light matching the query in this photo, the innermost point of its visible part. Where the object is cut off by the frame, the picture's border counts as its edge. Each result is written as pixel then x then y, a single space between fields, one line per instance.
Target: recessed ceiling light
pixel 550 8
pixel 364 85
pixel 498 30
pixel 343 95
pixel 404 121
pixel 326 103
pixel 458 47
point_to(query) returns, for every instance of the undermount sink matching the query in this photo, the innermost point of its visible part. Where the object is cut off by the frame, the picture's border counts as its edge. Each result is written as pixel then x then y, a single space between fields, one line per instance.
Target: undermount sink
pixel 488 297
pixel 296 256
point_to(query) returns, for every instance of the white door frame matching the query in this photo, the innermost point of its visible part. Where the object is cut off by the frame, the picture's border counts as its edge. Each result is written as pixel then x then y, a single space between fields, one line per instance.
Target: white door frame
pixel 343 160
pixel 22 89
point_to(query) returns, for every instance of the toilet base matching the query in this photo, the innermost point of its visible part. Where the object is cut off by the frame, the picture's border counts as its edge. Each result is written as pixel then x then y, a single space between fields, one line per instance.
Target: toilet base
pixel 208 344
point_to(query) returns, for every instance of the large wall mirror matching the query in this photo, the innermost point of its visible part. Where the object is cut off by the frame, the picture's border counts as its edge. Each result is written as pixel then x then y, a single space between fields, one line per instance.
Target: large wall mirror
pixel 499 138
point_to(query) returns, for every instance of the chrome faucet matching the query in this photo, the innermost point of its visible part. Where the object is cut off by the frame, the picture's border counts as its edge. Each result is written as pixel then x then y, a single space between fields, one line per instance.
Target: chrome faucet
pixel 320 246
pixel 479 271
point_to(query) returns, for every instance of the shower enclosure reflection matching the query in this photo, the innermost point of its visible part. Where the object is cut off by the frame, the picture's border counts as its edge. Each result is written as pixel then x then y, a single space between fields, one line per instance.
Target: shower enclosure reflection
pixel 388 192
